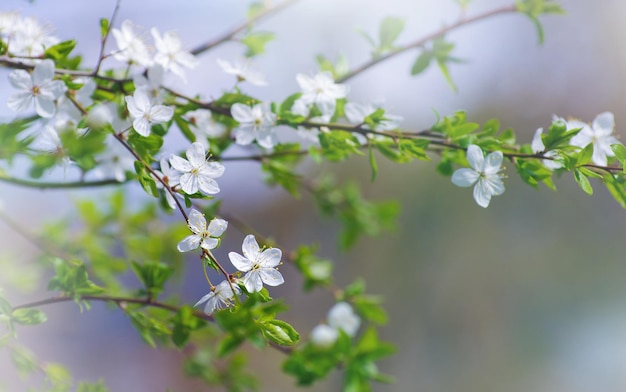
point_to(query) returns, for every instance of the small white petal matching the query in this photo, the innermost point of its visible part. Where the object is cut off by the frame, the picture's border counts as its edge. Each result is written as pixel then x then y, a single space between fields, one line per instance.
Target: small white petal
pixel 271 276
pixel 475 157
pixel 189 243
pixel 464 177
pixel 238 261
pixel 251 248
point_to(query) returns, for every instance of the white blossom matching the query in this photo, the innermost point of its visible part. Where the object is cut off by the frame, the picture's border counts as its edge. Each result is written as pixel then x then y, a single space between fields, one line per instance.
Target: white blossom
pixel 221 296
pixel 321 90
pixel 204 126
pixel 243 71
pixel 197 172
pixel 600 134
pixel 38 88
pixel 145 113
pixel 255 123
pixel 342 317
pixel 356 114
pixel 170 53
pixel 260 266
pixel 324 335
pixel 114 162
pixel 537 146
pixel 151 84
pixel 203 236
pixel 49 141
pixel 131 48
pixel 484 173
pixel 30 38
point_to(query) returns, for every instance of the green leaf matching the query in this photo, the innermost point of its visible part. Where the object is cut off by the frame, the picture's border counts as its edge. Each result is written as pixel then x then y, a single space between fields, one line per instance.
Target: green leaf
pixel 583 182
pixel 620 152
pixel 228 345
pixel 153 276
pixel 255 42
pixel 390 29
pixel 422 62
pixel 616 188
pixel 28 316
pixel 104 27
pixel 60 50
pixel 373 164
pixel 184 322
pixel 88 387
pixel 339 145
pixel 585 155
pixel 280 332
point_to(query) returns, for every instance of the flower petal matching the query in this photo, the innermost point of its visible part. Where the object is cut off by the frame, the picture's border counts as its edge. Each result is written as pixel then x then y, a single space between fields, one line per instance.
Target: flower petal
pixel 209 243
pixel 196 154
pixel 482 194
pixel 270 257
pixel 217 227
pixel 271 276
pixel 251 248
pixel 207 185
pixel 197 221
pixel 475 157
pixel 604 123
pixel 242 113
pixel 189 243
pixel 464 177
pixel 238 261
pixel 253 282
pixel 180 164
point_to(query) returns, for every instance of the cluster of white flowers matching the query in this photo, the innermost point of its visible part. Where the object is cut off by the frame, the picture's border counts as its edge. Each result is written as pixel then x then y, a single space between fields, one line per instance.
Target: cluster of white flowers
pixel 169 50
pixel 25 36
pixel 341 317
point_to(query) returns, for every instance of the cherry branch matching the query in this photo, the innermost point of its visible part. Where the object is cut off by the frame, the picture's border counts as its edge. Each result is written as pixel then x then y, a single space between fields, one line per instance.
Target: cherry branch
pixel 422 41
pixel 232 33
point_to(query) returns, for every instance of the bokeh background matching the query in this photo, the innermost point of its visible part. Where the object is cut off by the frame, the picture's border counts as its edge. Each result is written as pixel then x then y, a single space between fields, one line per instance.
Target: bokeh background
pixel 528 294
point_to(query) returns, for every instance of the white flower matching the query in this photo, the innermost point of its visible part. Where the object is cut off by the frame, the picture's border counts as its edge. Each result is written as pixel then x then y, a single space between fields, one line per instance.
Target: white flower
pixel 221 296
pixel 151 85
pixel 341 316
pixel 599 134
pixel 30 38
pixel 115 162
pixel 145 113
pixel 49 141
pixel 169 176
pixel 537 146
pixel 170 53
pixel 132 49
pixel 39 88
pixel 99 116
pixel 484 173
pixel 324 335
pixel 255 123
pixel 321 90
pixel 260 266
pixel 243 71
pixel 197 172
pixel 9 22
pixel 204 126
pixel 356 114
pixel 203 236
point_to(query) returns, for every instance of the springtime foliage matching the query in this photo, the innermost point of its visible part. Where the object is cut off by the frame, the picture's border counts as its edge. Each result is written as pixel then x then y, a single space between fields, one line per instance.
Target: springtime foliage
pixel 111 122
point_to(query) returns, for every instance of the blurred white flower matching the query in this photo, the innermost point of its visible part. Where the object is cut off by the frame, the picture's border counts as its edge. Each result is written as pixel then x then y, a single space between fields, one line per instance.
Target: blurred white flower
pixel 204 126
pixel 341 316
pixel 151 84
pixel 243 71
pixel 322 91
pixel 131 48
pixel 600 134
pixel 170 53
pixel 356 114
pixel 537 146
pixel 324 335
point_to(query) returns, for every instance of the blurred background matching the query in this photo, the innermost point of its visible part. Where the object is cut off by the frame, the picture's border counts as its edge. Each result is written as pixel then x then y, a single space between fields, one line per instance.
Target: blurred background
pixel 528 294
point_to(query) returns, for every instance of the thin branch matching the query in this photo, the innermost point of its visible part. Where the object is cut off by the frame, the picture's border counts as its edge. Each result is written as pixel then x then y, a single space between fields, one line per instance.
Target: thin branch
pixel 58 185
pixel 230 34
pixel 104 39
pixel 422 41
